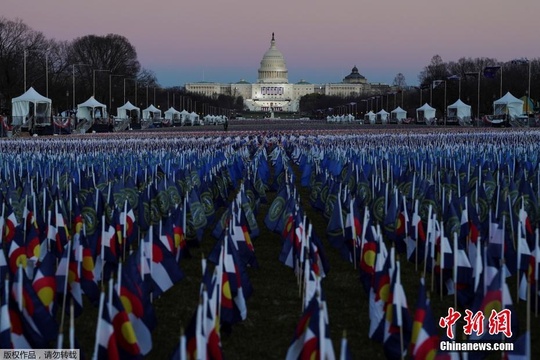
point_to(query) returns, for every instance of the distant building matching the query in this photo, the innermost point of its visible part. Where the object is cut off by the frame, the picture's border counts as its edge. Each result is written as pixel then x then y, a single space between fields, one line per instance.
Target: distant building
pixel 273 90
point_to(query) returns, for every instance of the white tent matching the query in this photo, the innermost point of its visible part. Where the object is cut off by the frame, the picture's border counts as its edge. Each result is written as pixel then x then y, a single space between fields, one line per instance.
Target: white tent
pixel 398 114
pixel 151 112
pixel 370 116
pixel 30 104
pixel 458 111
pixel 383 116
pixel 184 115
pixel 172 114
pixel 194 118
pixel 508 105
pixel 209 119
pixel 425 112
pixel 122 111
pixel 91 109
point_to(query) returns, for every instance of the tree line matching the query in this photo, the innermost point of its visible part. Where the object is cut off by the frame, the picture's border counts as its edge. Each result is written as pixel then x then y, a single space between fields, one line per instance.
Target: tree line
pixel 441 84
pixel 69 72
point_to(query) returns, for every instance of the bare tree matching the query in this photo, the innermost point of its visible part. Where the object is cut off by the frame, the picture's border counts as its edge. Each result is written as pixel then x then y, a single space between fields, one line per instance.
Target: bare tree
pixel 111 53
pixel 16 38
pixel 400 81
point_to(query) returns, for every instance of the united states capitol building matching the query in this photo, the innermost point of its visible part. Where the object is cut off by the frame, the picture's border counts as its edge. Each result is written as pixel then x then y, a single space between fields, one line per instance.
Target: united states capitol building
pixel 273 92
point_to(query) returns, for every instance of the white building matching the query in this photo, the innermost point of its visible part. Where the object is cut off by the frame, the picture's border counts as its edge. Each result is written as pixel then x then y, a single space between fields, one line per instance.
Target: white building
pixel 272 91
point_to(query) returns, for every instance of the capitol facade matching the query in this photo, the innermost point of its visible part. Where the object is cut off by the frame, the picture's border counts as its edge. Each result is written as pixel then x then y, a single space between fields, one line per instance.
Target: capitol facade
pixel 273 92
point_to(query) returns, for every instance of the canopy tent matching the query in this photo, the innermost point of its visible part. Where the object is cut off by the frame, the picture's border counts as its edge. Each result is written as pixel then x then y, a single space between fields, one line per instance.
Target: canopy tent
pixel 122 111
pixel 151 112
pixel 508 105
pixel 425 112
pixel 370 116
pixel 209 119
pixel 528 104
pixel 458 110
pixel 172 114
pixel 383 115
pixel 91 109
pixel 184 116
pixel 30 104
pixel 398 114
pixel 194 118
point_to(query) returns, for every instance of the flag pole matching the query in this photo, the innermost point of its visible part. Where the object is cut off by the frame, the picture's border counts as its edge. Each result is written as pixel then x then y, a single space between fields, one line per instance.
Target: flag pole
pixel 98 327
pixel 60 335
pixel 428 234
pixel 536 274
pixel 400 315
pixel 433 255
pixel 519 262
pixel 71 325
pixel 441 261
pixel 455 268
pixel 416 236
pixel 182 351
pixel 353 228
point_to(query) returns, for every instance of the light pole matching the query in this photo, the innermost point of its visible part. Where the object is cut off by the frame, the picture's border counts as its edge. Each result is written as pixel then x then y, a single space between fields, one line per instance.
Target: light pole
pixel 110 91
pixel 529 85
pixel 477 74
pixel 135 79
pixel 524 61
pixel 46 69
pixel 94 80
pixel 366 101
pixel 73 79
pixel 444 108
pixel 444 112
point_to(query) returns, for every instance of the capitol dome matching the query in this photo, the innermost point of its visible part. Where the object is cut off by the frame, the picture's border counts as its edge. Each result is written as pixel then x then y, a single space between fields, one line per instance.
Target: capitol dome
pixel 354 77
pixel 273 68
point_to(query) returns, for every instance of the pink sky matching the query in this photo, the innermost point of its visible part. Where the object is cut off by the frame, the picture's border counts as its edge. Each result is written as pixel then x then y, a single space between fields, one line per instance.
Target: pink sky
pixel 223 41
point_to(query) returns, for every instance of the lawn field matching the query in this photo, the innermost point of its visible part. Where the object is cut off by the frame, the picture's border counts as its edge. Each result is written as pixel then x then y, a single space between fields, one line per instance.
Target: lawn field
pixel 275 306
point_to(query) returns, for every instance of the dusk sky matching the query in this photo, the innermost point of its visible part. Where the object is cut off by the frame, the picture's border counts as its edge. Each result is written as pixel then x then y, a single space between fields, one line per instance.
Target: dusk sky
pixel 224 41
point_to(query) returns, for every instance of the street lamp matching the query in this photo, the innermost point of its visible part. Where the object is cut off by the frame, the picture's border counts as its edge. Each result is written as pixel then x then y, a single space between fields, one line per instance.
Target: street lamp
pixel 73 79
pixel 110 91
pixel 94 80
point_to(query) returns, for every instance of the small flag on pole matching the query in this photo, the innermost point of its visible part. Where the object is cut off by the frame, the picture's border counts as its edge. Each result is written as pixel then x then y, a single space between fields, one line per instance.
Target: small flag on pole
pixel 437 83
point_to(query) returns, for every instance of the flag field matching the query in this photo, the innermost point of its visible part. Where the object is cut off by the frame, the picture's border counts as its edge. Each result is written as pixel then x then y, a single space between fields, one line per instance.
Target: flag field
pixel 440 195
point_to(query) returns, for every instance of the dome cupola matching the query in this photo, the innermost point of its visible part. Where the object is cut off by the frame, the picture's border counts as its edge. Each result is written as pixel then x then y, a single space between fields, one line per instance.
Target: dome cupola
pixel 273 68
pixel 354 77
